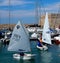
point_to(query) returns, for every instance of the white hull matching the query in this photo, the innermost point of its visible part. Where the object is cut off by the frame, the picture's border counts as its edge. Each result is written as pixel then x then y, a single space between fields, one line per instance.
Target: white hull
pixel 57 38
pixel 34 35
pixel 25 57
pixel 42 48
pixel 31 29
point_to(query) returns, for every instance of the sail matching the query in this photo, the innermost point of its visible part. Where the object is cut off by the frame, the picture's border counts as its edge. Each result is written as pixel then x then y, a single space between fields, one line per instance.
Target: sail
pixel 19 41
pixel 46 35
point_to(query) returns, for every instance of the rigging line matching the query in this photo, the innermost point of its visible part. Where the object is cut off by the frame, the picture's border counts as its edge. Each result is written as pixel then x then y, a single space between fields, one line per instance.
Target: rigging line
pixel 42 11
pixel 9 13
pixel 36 10
pixel 39 12
pixel 43 6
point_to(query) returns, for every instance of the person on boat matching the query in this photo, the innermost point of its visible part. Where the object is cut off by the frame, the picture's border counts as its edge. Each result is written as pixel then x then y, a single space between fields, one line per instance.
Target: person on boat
pixel 21 54
pixel 40 45
pixel 40 41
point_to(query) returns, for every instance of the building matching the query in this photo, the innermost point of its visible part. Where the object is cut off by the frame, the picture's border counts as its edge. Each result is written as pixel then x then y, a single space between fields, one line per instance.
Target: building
pixel 7 26
pixel 54 20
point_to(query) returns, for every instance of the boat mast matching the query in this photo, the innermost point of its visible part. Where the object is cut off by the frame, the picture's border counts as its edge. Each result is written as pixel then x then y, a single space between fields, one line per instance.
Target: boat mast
pixel 9 14
pixel 36 12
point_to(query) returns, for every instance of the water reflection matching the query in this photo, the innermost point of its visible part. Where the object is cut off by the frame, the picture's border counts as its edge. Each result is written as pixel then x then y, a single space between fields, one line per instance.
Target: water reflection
pixel 46 57
pixel 27 61
pixel 50 56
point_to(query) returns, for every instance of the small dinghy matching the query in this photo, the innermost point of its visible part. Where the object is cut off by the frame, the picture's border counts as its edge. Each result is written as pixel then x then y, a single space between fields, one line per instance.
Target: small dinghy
pixel 46 35
pixel 20 43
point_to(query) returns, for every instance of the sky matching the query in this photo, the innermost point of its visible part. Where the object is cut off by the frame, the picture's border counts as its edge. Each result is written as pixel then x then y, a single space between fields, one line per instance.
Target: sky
pixel 27 11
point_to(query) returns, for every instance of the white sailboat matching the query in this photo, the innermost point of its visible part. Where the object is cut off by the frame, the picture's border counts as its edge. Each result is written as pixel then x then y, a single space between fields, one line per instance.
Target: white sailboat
pixel 19 42
pixel 46 35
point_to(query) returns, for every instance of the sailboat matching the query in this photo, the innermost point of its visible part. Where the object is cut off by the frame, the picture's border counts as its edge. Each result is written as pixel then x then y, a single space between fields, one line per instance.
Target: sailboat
pixel 19 42
pixel 46 35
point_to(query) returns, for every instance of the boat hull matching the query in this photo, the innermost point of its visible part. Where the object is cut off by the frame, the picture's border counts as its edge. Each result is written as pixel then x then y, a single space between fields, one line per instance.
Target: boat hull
pixel 25 57
pixel 57 42
pixel 42 48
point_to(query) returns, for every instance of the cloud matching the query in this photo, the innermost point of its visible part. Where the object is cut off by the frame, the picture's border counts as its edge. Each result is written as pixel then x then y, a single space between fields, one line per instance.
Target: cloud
pixel 16 10
pixel 17 14
pixel 4 14
pixel 52 8
pixel 23 13
pixel 15 2
pixel 16 5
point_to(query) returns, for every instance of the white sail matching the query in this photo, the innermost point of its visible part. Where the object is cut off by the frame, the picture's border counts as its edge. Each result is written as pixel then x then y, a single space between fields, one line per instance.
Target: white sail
pixel 46 35
pixel 19 41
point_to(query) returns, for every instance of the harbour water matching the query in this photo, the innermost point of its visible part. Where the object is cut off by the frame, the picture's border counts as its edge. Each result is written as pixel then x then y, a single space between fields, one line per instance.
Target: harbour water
pixel 50 56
